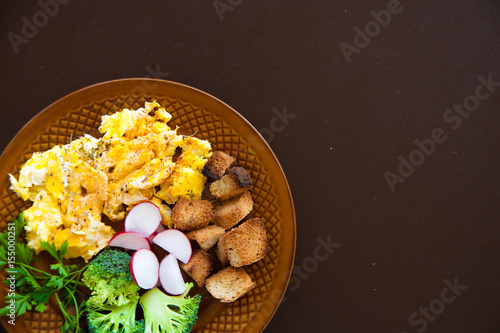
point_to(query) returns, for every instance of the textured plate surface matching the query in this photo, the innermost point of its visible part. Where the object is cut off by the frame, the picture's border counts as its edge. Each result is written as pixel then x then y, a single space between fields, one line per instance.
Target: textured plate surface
pixel 211 119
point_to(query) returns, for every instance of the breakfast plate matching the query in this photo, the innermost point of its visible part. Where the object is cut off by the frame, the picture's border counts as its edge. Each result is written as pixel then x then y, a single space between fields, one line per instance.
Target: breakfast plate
pixel 193 111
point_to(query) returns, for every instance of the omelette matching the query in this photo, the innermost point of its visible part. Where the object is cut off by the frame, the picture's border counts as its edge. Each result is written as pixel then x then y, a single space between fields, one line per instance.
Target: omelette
pixel 73 185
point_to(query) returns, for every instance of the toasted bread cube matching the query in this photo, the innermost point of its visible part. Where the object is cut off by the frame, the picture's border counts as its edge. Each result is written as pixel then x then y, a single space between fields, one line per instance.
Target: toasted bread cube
pixel 230 212
pixel 245 244
pixel 221 253
pixel 190 214
pixel 199 267
pixel 206 237
pixel 218 164
pixel 235 182
pixel 229 284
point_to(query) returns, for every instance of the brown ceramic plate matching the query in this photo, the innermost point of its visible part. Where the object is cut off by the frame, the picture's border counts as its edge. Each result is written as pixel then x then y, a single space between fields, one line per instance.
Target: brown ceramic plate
pixel 211 119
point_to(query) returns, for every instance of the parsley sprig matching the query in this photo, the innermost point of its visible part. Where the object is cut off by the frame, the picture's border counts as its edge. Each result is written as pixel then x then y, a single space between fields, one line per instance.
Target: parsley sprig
pixel 34 287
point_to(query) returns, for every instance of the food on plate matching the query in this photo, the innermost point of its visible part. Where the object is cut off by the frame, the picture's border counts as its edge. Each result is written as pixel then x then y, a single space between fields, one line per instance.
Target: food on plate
pixel 235 182
pixel 190 214
pixel 68 195
pixel 201 265
pixel 144 267
pixel 143 218
pixel 34 287
pixel 229 284
pixel 160 229
pixel 229 213
pixel 245 244
pixel 113 318
pixel 187 179
pixel 218 164
pixel 108 277
pixel 206 237
pixel 115 296
pixel 164 313
pixel 238 243
pixel 72 185
pixel 165 212
pixel 130 241
pixel 174 242
pixel 143 173
pixel 171 278
pixel 222 255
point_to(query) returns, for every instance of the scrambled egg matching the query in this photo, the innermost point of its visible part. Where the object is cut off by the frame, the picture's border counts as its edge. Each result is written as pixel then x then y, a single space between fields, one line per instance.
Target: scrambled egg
pixel 72 185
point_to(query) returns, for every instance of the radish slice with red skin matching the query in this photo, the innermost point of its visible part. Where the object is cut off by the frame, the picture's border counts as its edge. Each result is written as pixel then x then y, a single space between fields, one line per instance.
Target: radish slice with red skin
pixel 176 243
pixel 144 267
pixel 171 277
pixel 144 218
pixel 160 229
pixel 130 241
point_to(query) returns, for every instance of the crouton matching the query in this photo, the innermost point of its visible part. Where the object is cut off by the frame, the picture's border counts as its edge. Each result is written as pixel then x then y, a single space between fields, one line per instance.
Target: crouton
pixel 206 237
pixel 235 182
pixel 245 244
pixel 190 214
pixel 218 164
pixel 221 253
pixel 199 267
pixel 230 212
pixel 229 284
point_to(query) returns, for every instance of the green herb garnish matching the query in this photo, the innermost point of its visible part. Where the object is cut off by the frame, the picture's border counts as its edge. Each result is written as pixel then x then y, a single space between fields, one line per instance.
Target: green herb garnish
pixel 30 288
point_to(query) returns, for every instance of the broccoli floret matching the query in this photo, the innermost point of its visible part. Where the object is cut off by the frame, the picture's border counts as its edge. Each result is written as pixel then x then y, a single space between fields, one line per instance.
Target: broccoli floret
pixel 112 318
pixel 109 278
pixel 140 326
pixel 172 314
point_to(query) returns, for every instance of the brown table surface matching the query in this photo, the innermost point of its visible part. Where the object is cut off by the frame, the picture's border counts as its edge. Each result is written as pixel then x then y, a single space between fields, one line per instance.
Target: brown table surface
pixel 350 95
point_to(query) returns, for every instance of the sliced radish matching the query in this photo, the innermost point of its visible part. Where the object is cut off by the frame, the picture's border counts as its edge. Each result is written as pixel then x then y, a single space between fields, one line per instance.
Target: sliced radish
pixel 130 241
pixel 144 218
pixel 171 276
pixel 160 229
pixel 176 243
pixel 144 268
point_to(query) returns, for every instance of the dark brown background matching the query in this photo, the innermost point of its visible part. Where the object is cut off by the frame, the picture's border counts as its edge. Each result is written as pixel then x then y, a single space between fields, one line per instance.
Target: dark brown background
pixel 351 122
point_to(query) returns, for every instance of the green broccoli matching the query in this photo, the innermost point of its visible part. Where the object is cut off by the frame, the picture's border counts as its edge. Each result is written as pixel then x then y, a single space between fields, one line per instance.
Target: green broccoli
pixel 109 278
pixel 112 318
pixel 140 326
pixel 172 314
